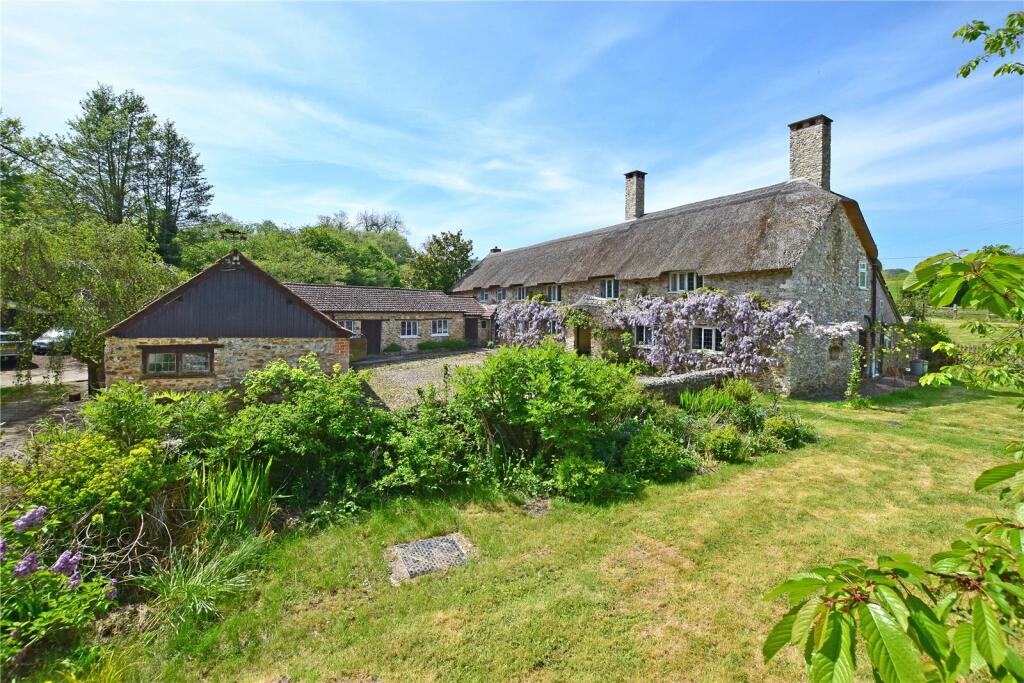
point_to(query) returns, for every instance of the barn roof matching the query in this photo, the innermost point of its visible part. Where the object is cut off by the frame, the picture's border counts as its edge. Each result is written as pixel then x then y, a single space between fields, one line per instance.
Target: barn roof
pixel 765 229
pixel 357 299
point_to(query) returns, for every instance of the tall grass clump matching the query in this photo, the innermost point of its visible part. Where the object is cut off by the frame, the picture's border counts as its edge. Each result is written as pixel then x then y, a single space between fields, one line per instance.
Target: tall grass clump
pixel 232 497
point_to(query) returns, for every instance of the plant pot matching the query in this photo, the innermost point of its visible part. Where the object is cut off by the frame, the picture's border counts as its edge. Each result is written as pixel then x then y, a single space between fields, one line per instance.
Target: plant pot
pixel 918 367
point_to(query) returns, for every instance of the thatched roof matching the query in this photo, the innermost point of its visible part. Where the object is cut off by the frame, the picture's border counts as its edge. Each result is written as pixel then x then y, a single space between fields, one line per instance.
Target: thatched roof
pixel 765 229
pixel 359 299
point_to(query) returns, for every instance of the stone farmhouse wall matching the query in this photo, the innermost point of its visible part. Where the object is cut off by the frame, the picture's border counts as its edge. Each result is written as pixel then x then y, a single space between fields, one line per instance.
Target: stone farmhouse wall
pixel 391 327
pixel 231 361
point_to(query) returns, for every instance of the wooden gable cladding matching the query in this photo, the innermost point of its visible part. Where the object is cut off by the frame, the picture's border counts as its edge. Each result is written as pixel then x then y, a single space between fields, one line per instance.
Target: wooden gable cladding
pixel 231 298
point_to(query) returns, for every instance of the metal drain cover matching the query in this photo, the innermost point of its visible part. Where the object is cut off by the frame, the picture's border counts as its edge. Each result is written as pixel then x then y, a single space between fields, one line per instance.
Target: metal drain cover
pixel 409 560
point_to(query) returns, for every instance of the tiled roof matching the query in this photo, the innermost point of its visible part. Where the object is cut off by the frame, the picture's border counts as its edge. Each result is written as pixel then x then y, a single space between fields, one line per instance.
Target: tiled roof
pixel 355 299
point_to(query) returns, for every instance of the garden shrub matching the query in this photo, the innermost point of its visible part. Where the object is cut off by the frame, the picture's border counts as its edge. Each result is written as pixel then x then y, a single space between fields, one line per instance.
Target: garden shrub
pixel 450 344
pixel 790 430
pixel 764 443
pixel 709 401
pixel 740 389
pixel 426 450
pixel 724 444
pixel 544 404
pixel 318 429
pixel 588 480
pixel 200 419
pixel 393 347
pixel 127 414
pixel 656 455
pixel 85 478
pixel 750 416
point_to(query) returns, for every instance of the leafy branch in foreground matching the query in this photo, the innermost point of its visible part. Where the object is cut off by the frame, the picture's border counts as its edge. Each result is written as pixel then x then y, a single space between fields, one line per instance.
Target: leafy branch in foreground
pixel 1003 42
pixel 961 614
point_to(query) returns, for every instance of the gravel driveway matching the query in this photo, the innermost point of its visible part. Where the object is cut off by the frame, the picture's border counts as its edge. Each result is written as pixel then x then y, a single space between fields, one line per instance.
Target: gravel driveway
pixel 395 381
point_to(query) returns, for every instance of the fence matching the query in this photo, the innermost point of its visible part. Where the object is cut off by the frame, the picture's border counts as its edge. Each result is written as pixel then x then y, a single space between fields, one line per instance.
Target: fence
pixel 957 313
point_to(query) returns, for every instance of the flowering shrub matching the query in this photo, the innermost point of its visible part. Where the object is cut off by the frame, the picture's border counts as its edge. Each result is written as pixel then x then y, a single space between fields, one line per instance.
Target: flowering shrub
pixel 40 602
pixel 527 323
pixel 753 333
pixel 126 414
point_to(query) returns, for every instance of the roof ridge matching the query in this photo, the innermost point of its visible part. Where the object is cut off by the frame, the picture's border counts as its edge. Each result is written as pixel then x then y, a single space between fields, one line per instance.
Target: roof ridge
pixel 342 285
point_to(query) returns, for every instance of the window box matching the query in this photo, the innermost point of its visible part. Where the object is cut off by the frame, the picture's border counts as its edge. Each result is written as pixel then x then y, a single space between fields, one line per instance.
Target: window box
pixel 409 329
pixel 609 288
pixel 184 360
pixel 684 281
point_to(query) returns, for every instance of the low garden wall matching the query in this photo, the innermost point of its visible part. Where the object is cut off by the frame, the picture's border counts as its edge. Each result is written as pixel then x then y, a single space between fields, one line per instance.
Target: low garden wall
pixel 670 386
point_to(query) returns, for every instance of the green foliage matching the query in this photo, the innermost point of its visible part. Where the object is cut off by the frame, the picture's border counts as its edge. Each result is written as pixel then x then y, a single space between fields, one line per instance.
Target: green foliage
pixel 444 260
pixel 199 419
pixel 576 318
pixel 318 429
pixel 854 375
pixel 198 579
pixel 742 390
pixel 590 481
pixel 231 498
pixel 1002 42
pixel 708 401
pixel 84 478
pixel 724 444
pixel 126 414
pixel 657 455
pixel 450 344
pixel 790 430
pixel 393 347
pixel 544 403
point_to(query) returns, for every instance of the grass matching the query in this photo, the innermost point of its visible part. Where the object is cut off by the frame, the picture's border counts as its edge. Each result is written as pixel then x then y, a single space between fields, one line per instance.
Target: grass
pixel 667 587
pixel 956 332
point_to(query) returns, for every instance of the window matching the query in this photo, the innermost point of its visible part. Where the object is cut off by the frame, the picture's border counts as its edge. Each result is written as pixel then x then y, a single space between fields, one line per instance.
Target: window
pixel 482 295
pixel 685 281
pixel 642 335
pixel 410 328
pixel 177 361
pixel 501 294
pixel 550 327
pixel 350 325
pixel 520 328
pixel 438 328
pixel 521 293
pixel 706 339
pixel 483 324
pixel 862 274
pixel 553 293
pixel 609 288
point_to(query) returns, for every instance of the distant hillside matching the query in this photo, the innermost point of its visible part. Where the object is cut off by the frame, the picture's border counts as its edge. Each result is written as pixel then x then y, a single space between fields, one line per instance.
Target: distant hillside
pixel 895 273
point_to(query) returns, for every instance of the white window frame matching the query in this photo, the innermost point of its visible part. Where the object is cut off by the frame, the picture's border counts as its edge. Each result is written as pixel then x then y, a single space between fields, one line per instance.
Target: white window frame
pixel 522 293
pixel 862 274
pixel 684 281
pixel 439 327
pixel 553 293
pixel 550 327
pixel 643 336
pixel 520 327
pixel 409 329
pixel 609 286
pixel 500 296
pixel 701 334
pixel 483 295
pixel 350 325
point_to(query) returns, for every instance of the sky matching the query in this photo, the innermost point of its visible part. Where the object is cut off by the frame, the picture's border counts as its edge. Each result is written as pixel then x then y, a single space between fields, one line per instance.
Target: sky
pixel 516 122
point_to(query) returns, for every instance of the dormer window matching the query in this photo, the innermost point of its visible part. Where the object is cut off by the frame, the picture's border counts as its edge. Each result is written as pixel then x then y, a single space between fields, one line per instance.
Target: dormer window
pixel 684 281
pixel 501 294
pixel 862 274
pixel 609 288
pixel 521 293
pixel 553 292
pixel 482 295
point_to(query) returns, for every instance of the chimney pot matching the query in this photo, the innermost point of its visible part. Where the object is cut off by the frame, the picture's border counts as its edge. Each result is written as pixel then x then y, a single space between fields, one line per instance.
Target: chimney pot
pixel 634 195
pixel 495 250
pixel 810 150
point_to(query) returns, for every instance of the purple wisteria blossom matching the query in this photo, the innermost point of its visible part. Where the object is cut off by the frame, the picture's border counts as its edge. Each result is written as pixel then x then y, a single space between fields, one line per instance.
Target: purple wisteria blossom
pixel 112 593
pixel 3 549
pixel 30 519
pixel 75 581
pixel 26 565
pixel 66 564
pixel 527 323
pixel 753 334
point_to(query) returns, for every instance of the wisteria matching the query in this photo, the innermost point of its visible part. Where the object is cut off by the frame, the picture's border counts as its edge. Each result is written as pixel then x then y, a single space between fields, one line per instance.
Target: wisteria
pixel 29 564
pixel 527 323
pixel 112 593
pixel 753 334
pixel 67 564
pixel 3 549
pixel 30 519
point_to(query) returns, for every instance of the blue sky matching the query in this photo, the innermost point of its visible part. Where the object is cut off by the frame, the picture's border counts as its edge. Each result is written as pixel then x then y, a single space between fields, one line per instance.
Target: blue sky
pixel 515 122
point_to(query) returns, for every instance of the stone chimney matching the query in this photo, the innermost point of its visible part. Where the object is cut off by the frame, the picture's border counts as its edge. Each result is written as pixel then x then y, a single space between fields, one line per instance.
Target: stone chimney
pixel 634 194
pixel 810 150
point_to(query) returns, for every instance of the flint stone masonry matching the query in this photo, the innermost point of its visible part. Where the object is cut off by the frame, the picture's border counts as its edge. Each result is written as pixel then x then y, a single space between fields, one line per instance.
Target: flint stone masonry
pixel 810 150
pixel 234 357
pixel 670 386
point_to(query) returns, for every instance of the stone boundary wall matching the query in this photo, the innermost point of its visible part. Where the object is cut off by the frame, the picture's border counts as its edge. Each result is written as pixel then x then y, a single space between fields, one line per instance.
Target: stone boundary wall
pixel 235 357
pixel 669 387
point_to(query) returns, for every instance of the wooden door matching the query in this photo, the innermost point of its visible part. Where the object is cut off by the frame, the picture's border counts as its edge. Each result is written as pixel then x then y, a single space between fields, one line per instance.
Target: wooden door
pixel 583 340
pixel 472 334
pixel 371 330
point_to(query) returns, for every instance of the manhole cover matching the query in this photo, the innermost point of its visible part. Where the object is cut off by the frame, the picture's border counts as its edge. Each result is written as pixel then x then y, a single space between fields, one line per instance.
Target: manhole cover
pixel 410 560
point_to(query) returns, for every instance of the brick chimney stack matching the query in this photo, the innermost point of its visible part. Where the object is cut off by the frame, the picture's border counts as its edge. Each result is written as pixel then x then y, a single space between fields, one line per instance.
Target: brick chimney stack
pixel 810 150
pixel 634 195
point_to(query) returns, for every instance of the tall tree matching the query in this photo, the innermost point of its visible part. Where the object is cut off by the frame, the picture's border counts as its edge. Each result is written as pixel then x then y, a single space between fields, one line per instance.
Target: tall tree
pixel 380 221
pixel 175 192
pixel 444 260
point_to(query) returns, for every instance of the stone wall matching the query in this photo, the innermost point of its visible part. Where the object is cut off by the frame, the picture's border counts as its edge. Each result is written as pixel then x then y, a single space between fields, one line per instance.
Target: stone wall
pixel 668 387
pixel 391 326
pixel 231 360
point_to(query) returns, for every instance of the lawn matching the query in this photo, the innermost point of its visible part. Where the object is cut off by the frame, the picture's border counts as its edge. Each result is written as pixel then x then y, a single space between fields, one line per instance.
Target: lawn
pixel 956 332
pixel 667 587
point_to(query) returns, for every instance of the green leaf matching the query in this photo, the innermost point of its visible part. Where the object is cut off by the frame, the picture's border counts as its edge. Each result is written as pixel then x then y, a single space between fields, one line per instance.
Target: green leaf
pixel 891 650
pixel 780 635
pixel 833 661
pixel 804 621
pixel 944 291
pixel 930 632
pixel 1014 664
pixel 993 476
pixel 892 601
pixel 966 651
pixel 988 635
pixel 799 587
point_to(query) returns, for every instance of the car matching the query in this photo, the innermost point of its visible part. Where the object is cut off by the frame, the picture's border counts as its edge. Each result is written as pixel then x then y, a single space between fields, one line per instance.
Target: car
pixel 11 346
pixel 55 340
